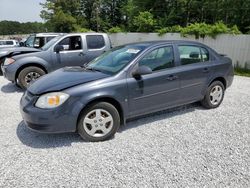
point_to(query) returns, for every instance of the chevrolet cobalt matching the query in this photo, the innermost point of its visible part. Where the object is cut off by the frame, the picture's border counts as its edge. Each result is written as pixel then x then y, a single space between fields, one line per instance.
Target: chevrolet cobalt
pixel 125 82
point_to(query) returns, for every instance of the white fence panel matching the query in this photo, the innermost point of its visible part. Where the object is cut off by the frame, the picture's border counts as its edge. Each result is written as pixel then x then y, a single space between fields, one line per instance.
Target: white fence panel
pixel 237 47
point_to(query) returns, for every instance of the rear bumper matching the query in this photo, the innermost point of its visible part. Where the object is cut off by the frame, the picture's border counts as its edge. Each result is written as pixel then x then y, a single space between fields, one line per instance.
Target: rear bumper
pixel 230 80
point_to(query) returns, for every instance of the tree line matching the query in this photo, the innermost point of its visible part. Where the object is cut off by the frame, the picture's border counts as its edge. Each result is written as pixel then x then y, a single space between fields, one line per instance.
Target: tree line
pixel 13 27
pixel 146 16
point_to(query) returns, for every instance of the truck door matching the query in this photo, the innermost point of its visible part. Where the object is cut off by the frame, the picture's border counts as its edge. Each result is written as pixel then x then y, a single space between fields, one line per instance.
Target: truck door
pixel 72 53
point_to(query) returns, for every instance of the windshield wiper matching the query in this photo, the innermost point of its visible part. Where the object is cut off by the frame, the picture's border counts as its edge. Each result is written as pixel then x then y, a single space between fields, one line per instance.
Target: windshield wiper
pixel 91 69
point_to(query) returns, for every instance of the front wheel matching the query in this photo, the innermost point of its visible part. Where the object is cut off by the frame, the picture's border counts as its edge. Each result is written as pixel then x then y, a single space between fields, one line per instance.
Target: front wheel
pixel 214 95
pixel 98 122
pixel 29 74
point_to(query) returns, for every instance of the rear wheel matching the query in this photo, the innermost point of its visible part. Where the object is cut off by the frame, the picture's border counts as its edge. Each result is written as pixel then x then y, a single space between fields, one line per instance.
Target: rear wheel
pixel 29 74
pixel 99 122
pixel 214 95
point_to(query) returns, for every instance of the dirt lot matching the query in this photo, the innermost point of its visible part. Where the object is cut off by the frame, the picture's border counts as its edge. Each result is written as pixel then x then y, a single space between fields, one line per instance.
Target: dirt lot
pixel 182 147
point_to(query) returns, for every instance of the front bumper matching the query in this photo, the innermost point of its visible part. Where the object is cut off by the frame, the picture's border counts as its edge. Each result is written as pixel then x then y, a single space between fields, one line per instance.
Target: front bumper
pixel 57 120
pixel 9 72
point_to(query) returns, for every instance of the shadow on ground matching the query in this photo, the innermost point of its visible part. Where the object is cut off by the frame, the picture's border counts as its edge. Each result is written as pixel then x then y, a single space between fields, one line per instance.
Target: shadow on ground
pixel 161 115
pixel 11 88
pixel 38 140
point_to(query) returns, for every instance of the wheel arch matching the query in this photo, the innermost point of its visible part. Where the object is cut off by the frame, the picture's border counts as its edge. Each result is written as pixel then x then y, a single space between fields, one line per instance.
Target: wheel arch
pixel 30 65
pixel 221 79
pixel 109 100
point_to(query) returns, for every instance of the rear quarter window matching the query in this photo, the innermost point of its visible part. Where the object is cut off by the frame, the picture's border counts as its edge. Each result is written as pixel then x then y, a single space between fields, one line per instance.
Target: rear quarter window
pixel 95 41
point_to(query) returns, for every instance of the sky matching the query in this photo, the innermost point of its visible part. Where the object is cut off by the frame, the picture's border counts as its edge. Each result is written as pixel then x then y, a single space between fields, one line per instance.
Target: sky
pixel 21 10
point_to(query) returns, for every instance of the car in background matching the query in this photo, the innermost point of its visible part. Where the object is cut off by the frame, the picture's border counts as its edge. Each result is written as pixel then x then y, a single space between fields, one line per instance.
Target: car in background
pixel 8 43
pixel 75 49
pixel 30 45
pixel 38 40
pixel 123 83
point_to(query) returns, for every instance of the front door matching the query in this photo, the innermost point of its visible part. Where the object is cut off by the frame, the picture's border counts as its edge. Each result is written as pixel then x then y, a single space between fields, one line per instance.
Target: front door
pixel 158 90
pixel 72 54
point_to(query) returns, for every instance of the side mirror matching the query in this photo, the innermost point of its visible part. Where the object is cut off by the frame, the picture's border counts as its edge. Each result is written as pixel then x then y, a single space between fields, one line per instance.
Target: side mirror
pixel 58 48
pixel 142 70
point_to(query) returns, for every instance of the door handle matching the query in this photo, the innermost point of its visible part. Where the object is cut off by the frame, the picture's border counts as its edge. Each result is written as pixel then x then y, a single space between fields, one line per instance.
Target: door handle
pixel 205 70
pixel 172 77
pixel 81 54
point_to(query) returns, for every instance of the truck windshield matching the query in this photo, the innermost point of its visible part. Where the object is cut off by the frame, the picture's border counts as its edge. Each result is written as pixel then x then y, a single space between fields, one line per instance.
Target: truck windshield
pixel 50 43
pixel 115 60
pixel 30 41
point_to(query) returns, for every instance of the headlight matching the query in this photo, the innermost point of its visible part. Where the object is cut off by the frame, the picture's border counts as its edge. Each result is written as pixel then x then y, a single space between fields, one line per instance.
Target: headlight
pixel 51 100
pixel 9 61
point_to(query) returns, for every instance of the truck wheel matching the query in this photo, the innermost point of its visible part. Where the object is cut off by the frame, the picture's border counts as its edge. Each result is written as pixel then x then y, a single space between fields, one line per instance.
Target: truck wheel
pixel 98 122
pixel 214 95
pixel 29 74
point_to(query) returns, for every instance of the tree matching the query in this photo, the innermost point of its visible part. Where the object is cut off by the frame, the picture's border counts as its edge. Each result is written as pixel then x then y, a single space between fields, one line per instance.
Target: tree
pixel 145 22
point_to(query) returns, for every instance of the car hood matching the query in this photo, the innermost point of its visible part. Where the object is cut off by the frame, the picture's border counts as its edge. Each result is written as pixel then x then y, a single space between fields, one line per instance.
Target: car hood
pixel 4 52
pixel 64 78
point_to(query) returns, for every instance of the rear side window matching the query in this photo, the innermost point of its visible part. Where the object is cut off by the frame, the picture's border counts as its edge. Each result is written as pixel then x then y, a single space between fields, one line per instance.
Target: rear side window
pixel 8 42
pixel 95 41
pixel 193 54
pixel 205 54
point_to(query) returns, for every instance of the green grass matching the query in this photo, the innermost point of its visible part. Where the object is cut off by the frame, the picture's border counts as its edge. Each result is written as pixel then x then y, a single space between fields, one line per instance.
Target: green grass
pixel 241 72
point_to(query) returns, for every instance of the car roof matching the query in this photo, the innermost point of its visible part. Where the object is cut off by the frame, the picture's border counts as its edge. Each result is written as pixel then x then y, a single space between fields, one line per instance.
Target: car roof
pixel 7 40
pixel 160 42
pixel 47 34
pixel 86 33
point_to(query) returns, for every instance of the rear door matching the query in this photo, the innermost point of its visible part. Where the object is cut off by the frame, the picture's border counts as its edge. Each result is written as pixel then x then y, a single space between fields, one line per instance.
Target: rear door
pixel 158 90
pixel 195 70
pixel 72 54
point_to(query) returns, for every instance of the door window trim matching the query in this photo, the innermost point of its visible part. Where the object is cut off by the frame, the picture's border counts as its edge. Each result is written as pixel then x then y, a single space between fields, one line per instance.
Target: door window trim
pixel 136 64
pixel 68 51
pixel 193 45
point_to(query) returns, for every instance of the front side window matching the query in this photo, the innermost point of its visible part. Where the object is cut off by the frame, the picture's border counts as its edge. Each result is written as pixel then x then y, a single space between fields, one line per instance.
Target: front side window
pixel 192 54
pixel 39 42
pixel 71 43
pixel 95 41
pixel 159 59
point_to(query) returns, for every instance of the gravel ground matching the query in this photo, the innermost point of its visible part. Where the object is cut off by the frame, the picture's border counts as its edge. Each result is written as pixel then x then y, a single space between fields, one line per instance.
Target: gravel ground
pixel 183 147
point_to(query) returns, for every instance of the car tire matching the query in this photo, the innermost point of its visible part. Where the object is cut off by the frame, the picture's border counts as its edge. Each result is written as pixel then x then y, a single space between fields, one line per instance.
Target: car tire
pixel 214 95
pixel 29 74
pixel 1 62
pixel 98 122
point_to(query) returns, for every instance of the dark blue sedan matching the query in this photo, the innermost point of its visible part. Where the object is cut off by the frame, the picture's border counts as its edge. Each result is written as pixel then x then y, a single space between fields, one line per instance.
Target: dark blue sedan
pixel 128 81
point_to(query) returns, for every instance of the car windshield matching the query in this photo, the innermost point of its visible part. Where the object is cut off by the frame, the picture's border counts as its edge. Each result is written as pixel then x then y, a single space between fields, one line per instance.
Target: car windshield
pixel 115 60
pixel 50 43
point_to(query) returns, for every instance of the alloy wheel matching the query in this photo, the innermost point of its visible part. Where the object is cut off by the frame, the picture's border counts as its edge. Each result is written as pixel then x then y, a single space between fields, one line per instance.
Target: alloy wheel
pixel 98 123
pixel 31 76
pixel 216 95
